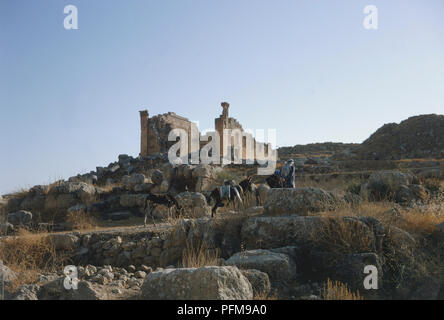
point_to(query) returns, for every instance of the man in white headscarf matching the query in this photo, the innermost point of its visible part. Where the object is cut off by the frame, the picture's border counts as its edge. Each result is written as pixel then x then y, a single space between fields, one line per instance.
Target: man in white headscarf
pixel 288 173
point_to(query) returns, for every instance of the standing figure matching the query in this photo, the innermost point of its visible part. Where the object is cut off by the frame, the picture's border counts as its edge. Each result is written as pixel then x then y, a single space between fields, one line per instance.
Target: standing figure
pixel 288 173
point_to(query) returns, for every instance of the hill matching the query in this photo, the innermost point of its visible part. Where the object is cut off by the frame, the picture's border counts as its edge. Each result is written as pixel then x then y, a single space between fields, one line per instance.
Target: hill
pixel 417 137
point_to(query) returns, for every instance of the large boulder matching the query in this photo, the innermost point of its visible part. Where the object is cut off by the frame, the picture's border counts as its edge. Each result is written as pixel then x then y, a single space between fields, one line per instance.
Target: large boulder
pixel 157 177
pixel 6 274
pixel 409 193
pixel 60 201
pixel 3 202
pixel 33 202
pixel 64 241
pixel 392 178
pixel 350 270
pixel 299 201
pixel 55 290
pixel 223 234
pixel 278 266
pixel 132 200
pixel 6 228
pixel 13 204
pixel 21 217
pixel 441 169
pixel 130 182
pixel 399 186
pixel 275 232
pixel 68 194
pixel 206 177
pixel 205 283
pixel 194 204
pixel 26 292
pixel 205 184
pixel 202 171
pixel 262 190
pixel 81 189
pixel 260 282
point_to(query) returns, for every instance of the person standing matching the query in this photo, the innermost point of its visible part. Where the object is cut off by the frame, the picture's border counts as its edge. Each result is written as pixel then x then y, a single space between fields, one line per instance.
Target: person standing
pixel 288 173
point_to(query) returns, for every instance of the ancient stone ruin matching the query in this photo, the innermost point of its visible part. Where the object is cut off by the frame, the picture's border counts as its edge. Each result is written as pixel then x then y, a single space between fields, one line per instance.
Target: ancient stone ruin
pixel 155 131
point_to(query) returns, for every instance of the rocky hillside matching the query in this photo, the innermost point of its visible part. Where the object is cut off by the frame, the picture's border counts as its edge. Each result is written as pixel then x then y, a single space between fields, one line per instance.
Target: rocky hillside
pixel 318 148
pixel 417 137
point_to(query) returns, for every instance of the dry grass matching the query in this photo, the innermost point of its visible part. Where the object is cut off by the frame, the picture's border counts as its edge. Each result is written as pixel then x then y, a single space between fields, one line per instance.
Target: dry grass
pixel 29 254
pixel 338 184
pixel 265 296
pixel 21 193
pixel 364 209
pixel 413 220
pixel 420 223
pixel 80 220
pixel 174 219
pixel 3 213
pixel 196 256
pixel 109 187
pixel 344 236
pixel 419 160
pixel 53 185
pixel 336 290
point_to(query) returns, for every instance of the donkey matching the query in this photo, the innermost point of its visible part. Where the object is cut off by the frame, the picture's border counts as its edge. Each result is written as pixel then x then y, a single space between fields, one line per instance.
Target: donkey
pixel 250 189
pixel 153 200
pixel 275 180
pixel 224 195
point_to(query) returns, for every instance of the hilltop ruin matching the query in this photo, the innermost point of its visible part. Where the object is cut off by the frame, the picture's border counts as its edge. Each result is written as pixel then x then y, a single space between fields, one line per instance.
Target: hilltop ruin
pixel 155 130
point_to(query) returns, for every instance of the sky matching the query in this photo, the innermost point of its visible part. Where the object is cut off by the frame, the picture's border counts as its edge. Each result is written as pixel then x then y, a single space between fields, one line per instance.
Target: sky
pixel 69 99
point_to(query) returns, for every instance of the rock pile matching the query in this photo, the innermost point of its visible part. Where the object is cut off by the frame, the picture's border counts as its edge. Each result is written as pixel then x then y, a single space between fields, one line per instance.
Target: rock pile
pixel 393 185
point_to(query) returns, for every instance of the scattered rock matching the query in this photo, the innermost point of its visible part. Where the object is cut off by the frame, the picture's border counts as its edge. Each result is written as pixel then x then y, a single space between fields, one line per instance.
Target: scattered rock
pixel 132 200
pixel 205 283
pixel 157 177
pixel 194 204
pixel 21 217
pixel 140 274
pixel 299 201
pixel 122 215
pixel 278 266
pixel 6 228
pixel 55 290
pixel 259 280
pixel 6 274
pixel 262 190
pixel 26 292
pixel 64 241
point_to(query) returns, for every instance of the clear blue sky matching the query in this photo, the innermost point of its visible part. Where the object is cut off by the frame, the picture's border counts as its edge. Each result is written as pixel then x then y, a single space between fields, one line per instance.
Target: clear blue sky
pixel 70 99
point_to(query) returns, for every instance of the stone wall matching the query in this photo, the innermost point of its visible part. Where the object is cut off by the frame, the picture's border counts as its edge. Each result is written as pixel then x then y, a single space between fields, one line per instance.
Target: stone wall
pixel 154 249
pixel 155 131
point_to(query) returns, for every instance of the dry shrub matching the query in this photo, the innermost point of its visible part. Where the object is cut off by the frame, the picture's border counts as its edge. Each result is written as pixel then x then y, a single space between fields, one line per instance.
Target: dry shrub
pixel 337 184
pixel 108 188
pixel 29 254
pixel 198 255
pixel 420 223
pixel 265 296
pixel 363 209
pixel 433 184
pixel 19 194
pixel 174 217
pixel 55 182
pixel 228 174
pixel 336 290
pixel 80 220
pixel 344 236
pixel 3 214
pixel 412 220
